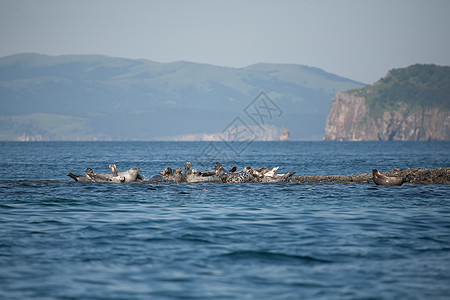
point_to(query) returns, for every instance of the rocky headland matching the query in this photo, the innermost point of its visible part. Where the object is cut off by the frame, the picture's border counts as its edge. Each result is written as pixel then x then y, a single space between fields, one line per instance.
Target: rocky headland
pixel 410 104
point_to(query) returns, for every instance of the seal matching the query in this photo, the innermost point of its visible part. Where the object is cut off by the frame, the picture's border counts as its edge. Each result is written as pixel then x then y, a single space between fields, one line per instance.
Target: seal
pixel 266 175
pixel 89 176
pixel 381 179
pixel 94 177
pixel 244 176
pixel 187 169
pixel 220 175
pixel 178 176
pixel 127 176
pixel 80 178
pixel 278 177
pixel 193 176
pixel 113 170
pixel 157 178
pixel 218 170
pixel 164 176
pixel 167 172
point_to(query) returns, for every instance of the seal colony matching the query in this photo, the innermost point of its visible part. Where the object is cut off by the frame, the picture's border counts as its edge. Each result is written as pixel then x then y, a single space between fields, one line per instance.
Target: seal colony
pixel 220 175
pixel 263 175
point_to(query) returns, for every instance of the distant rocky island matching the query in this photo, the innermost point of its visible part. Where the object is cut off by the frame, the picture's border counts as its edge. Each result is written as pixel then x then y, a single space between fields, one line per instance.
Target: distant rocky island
pixel 408 104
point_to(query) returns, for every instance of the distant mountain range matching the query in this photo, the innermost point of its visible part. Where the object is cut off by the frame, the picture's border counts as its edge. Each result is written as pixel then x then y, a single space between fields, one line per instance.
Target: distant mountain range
pixel 87 97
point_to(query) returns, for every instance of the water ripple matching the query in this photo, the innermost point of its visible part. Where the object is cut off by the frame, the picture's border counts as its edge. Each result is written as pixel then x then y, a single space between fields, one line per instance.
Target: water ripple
pixel 66 240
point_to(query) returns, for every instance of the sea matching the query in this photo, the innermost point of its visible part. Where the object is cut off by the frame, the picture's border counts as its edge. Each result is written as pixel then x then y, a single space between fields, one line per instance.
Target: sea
pixel 60 239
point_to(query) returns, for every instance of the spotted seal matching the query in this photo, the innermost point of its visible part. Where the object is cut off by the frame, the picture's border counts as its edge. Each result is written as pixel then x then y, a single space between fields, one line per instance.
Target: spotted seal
pixel 219 174
pixel 381 179
pixel 267 175
pixel 244 176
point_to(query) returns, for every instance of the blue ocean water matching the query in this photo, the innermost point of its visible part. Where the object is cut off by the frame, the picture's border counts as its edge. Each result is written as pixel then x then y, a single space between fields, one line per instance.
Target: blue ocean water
pixel 65 240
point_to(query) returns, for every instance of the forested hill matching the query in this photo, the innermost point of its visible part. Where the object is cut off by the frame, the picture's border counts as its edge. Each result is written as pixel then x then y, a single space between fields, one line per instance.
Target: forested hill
pixel 411 103
pixel 419 85
pixel 97 97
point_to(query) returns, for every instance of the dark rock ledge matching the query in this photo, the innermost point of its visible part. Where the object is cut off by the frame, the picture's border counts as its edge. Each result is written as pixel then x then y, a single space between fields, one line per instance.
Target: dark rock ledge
pixel 439 176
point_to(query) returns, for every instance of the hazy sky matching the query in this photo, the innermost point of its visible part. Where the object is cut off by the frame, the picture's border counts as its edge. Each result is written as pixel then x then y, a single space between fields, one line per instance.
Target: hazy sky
pixel 358 39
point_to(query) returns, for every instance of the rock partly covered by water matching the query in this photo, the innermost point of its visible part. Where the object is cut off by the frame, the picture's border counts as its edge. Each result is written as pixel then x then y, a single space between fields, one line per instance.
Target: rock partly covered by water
pixel 439 176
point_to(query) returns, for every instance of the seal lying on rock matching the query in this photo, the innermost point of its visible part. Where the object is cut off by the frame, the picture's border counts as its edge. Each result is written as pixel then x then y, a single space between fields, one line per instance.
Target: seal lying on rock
pixel 266 175
pixel 80 178
pixel 178 176
pixel 220 175
pixel 89 176
pixel 238 177
pixel 94 177
pixel 381 179
pixel 127 176
pixel 193 176
pixel 218 169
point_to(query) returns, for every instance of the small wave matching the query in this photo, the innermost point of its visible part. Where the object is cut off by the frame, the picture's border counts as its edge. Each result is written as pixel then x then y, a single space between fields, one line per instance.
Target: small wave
pixel 272 257
pixel 195 239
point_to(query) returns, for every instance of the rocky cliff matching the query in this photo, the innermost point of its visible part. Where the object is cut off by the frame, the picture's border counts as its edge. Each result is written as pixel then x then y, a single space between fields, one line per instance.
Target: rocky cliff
pixel 397 107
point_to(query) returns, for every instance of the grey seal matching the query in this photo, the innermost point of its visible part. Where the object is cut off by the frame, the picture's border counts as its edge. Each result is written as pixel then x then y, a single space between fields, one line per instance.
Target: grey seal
pixel 381 179
pixel 193 176
pixel 178 176
pixel 164 176
pixel 95 177
pixel 80 178
pixel 126 176
pixel 167 172
pixel 89 175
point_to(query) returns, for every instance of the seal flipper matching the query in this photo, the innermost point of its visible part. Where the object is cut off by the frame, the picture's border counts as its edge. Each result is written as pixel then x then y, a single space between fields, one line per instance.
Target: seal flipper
pixel 71 175
pixel 233 169
pixel 187 169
